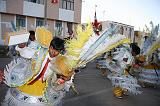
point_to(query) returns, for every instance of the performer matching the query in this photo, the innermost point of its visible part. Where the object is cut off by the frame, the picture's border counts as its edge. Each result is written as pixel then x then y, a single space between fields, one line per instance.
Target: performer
pixel 100 63
pixel 122 59
pixel 150 69
pixel 147 72
pixel 32 43
pixel 36 82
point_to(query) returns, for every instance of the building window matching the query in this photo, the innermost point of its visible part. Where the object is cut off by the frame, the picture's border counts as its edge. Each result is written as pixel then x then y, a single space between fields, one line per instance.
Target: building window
pixel 121 30
pixel 58 28
pixel 111 25
pixel 130 32
pixel 36 1
pixel 20 21
pixel 69 26
pixel 58 24
pixel 39 22
pixel 67 4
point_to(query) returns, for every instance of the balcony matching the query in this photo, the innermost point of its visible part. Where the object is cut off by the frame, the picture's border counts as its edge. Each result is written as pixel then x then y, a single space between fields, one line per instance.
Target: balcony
pixel 2 6
pixel 66 15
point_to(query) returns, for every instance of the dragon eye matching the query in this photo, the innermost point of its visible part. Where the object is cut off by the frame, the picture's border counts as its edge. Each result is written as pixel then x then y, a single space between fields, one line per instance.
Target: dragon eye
pixel 13 77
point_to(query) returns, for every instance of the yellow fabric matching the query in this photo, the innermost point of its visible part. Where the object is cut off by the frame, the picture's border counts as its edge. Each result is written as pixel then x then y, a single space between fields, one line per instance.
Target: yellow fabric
pixel 151 66
pixel 6 38
pixel 33 66
pixel 43 36
pixel 63 66
pixel 37 89
pixel 141 58
pixel 126 72
pixel 75 45
pixel 117 91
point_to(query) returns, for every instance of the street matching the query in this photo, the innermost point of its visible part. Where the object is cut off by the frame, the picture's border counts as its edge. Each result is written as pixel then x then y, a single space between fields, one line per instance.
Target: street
pixel 96 90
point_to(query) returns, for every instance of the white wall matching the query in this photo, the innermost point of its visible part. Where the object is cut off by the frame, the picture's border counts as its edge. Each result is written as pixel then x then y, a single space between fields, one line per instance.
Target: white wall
pixel 0 27
pixel 106 24
pixel 33 9
pixel 66 15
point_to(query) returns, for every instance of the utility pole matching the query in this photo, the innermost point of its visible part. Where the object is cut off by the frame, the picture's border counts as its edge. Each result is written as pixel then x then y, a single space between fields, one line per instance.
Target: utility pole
pixel 104 15
pixel 45 12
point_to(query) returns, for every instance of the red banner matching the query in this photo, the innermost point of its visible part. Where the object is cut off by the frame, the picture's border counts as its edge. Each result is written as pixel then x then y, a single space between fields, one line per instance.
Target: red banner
pixel 96 24
pixel 54 1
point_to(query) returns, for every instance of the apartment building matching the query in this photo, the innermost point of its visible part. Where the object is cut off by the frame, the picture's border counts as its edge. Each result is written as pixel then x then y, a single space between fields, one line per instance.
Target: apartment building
pixel 123 29
pixel 61 15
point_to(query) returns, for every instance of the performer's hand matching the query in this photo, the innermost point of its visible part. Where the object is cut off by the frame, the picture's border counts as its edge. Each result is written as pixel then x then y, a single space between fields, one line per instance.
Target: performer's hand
pixel 63 77
pixel 66 78
pixel 1 76
pixel 60 81
pixel 136 66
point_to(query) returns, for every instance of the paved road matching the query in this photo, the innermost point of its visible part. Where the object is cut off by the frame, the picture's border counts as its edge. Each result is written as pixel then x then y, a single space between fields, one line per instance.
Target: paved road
pixel 95 90
pixel 3 87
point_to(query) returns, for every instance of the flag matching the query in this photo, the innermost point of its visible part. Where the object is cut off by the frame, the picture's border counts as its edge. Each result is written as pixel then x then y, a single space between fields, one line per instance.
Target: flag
pixel 96 24
pixel 54 1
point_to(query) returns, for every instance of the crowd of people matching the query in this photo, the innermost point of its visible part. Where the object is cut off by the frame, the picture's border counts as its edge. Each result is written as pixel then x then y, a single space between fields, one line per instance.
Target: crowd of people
pixel 140 63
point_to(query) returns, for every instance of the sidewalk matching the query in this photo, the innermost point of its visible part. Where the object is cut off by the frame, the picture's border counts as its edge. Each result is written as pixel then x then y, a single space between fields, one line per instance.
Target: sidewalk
pixel 3 88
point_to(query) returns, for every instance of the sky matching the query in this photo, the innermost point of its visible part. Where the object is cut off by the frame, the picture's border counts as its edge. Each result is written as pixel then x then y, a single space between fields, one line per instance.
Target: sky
pixel 137 13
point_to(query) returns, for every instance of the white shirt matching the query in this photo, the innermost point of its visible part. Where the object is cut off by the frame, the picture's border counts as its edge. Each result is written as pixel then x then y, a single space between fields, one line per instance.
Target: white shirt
pixel 33 45
pixel 48 70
